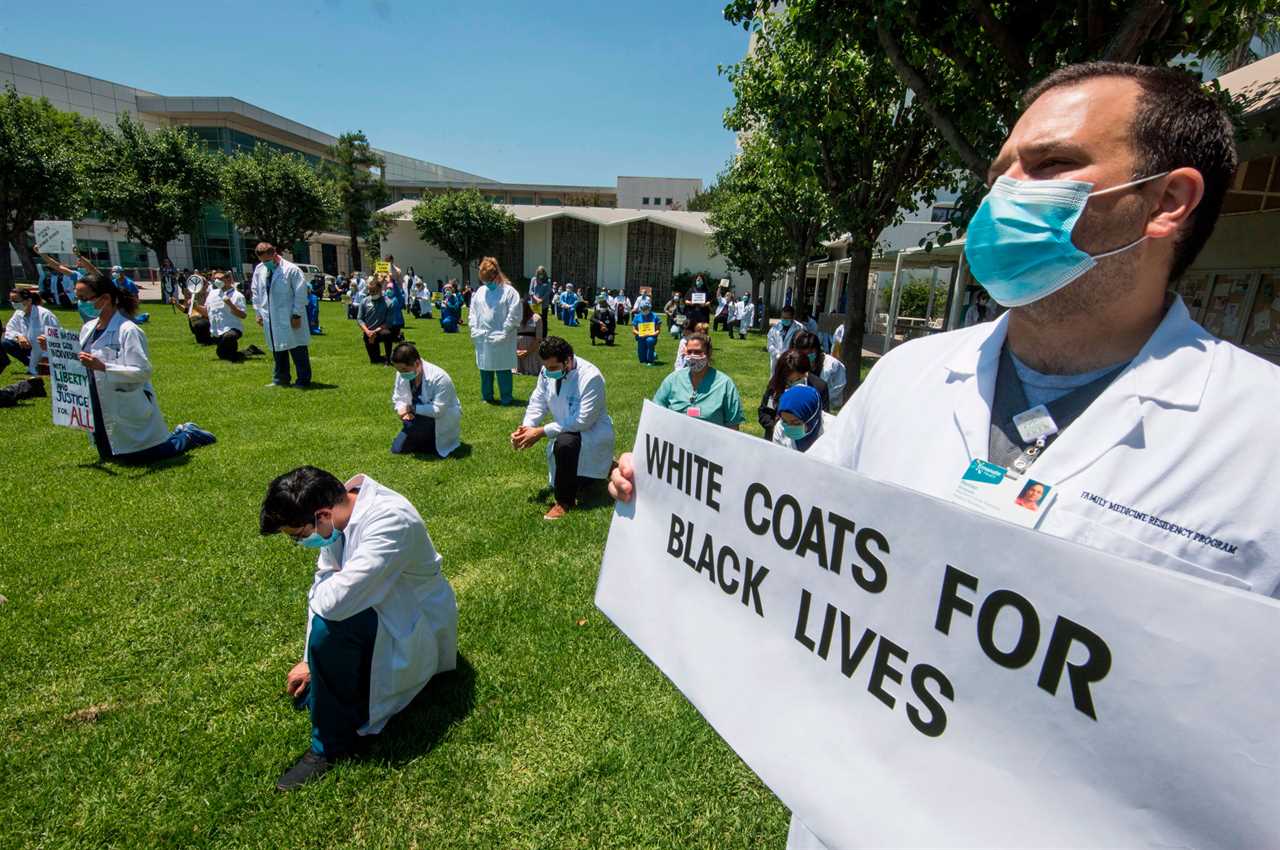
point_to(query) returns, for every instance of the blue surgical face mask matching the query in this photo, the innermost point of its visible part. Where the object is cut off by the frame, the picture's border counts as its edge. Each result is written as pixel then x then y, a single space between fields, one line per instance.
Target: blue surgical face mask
pixel 1018 244
pixel 406 377
pixel 271 266
pixel 553 375
pixel 813 358
pixel 315 541
pixel 491 284
pixel 795 432
pixel 786 323
pixel 88 310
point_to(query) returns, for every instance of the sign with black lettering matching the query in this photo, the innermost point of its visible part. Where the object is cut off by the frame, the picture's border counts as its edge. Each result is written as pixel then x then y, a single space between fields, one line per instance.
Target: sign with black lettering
pixel 904 672
pixel 72 402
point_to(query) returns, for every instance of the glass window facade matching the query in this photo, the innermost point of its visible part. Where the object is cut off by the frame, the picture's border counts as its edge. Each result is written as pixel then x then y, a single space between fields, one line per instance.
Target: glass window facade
pixel 522 199
pixel 97 250
pixel 216 242
pixel 132 255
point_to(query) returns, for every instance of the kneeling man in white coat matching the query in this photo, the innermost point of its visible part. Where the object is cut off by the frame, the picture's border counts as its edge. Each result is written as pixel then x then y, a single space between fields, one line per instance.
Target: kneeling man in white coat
pixel 580 433
pixel 381 617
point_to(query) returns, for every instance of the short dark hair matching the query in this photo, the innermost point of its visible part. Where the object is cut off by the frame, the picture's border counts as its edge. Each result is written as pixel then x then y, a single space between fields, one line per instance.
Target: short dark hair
pixel 1177 124
pixel 293 498
pixel 554 347
pixel 405 354
pixel 32 295
pixel 789 309
pixel 806 341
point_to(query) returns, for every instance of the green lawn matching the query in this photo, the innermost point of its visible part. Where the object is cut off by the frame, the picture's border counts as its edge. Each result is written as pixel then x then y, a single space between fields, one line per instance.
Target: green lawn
pixel 148 628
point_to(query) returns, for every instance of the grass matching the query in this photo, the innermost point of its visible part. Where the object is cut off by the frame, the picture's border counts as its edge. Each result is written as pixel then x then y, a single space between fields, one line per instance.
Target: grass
pixel 148 628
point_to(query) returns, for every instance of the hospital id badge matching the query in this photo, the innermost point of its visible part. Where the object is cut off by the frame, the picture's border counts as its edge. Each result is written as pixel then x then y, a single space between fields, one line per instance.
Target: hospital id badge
pixel 1035 423
pixel 693 411
pixel 989 489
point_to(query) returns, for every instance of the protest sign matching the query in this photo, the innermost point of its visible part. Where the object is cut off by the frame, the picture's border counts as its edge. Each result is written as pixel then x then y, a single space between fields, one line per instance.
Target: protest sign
pixel 647 328
pixel 382 267
pixel 698 297
pixel 54 237
pixel 72 405
pixel 902 671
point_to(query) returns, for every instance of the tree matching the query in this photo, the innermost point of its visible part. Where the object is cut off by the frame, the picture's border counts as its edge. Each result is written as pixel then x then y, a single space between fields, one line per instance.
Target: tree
pixel 463 225
pixel 744 229
pixel 360 192
pixel 704 199
pixel 379 227
pixel 276 197
pixel 968 63
pixel 154 181
pixel 43 161
pixel 829 102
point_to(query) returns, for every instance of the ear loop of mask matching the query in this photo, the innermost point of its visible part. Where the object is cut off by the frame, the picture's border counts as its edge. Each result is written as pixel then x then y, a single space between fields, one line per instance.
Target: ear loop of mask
pixel 1140 239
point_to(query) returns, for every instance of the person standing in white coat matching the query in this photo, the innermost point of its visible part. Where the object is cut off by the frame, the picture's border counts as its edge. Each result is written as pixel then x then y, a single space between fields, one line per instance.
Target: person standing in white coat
pixel 580 433
pixel 780 336
pixel 1155 454
pixel 127 424
pixel 427 404
pixel 381 617
pixel 280 293
pixel 495 320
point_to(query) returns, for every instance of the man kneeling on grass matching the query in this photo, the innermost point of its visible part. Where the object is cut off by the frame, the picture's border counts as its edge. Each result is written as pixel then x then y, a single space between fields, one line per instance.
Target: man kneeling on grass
pixel 381 618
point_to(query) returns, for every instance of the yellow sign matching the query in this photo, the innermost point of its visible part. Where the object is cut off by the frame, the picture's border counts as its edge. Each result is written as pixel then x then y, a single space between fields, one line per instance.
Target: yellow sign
pixel 647 328
pixel 382 267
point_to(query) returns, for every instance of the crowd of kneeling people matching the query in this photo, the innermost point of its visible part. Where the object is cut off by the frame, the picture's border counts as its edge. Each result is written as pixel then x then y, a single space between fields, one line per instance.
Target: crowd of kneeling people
pixel 382 617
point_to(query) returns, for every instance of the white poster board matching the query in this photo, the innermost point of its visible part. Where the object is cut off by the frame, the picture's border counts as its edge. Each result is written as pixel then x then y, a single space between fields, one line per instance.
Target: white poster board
pixel 72 405
pixel 697 297
pixel 54 237
pixel 903 672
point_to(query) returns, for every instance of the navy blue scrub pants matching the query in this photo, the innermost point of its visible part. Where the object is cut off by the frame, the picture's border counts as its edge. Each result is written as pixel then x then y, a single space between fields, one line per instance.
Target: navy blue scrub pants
pixel 647 347
pixel 301 361
pixel 340 657
pixel 416 435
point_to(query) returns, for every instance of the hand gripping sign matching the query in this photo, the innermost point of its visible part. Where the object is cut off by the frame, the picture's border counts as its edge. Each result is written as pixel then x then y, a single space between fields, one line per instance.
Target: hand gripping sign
pixel 72 403
pixel 902 671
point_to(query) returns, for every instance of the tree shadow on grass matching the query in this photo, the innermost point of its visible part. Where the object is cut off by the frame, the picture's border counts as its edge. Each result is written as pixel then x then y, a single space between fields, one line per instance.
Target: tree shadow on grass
pixel 445 702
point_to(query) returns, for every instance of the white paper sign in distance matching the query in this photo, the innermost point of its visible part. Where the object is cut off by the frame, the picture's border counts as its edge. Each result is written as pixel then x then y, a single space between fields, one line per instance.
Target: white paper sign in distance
pixel 72 403
pixel 843 711
pixel 54 237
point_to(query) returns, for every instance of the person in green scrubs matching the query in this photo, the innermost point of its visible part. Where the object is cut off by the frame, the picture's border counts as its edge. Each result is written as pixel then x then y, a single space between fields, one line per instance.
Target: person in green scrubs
pixel 699 390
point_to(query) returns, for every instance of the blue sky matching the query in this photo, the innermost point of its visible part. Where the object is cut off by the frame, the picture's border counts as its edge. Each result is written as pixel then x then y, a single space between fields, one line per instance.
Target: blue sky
pixel 551 92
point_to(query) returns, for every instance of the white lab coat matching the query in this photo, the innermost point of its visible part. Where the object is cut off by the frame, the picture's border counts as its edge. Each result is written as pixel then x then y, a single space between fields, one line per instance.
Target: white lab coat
pixel 279 302
pixel 221 319
pixel 833 372
pixel 386 561
pixel 438 400
pixel 1177 436
pixel 579 406
pixel 494 318
pixel 39 320
pixel 779 341
pixel 747 316
pixel 16 326
pixel 125 395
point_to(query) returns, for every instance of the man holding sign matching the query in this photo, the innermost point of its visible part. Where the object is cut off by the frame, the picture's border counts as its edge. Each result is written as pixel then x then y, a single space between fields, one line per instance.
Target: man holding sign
pixel 1131 430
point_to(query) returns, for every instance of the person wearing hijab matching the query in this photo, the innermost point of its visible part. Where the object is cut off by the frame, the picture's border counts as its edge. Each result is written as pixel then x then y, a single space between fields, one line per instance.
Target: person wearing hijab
pixel 604 325
pixel 799 418
pixel 646 328
pixel 792 369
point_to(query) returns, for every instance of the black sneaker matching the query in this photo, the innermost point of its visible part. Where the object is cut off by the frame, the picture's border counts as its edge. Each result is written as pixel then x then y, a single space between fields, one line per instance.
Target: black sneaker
pixel 310 767
pixel 35 388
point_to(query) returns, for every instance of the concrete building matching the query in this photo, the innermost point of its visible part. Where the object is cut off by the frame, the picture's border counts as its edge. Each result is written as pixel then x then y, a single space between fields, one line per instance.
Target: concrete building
pixel 229 125
pixel 586 246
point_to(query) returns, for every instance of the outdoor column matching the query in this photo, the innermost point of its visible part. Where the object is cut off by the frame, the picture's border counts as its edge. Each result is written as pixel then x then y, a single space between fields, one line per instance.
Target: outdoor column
pixel 957 294
pixel 933 282
pixel 873 303
pixel 894 298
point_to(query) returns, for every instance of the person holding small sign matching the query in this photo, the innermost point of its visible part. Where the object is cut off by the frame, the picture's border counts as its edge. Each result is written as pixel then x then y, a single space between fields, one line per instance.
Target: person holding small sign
pixel 697 308
pixel 127 424
pixel 604 322
pixel 646 328
pixel 700 391
pixel 580 434
pixel 37 319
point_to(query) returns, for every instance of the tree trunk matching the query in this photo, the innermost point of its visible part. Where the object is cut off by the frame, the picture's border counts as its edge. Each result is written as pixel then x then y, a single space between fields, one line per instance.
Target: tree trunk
pixel 855 319
pixel 355 247
pixel 768 303
pixel 23 247
pixel 801 266
pixel 6 276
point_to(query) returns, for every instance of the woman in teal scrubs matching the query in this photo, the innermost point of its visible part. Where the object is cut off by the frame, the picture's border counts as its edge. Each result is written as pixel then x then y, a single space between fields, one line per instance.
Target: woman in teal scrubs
pixel 699 390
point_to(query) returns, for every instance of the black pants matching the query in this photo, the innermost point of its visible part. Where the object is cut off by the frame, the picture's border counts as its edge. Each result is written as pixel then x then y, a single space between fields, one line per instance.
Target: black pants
pixel 566 449
pixel 200 327
pixel 11 347
pixel 229 345
pixel 416 435
pixel 384 337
